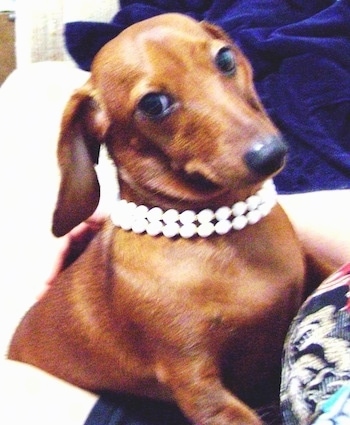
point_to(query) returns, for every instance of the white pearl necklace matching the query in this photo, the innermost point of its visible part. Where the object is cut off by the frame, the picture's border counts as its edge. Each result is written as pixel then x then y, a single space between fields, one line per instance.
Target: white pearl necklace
pixel 171 223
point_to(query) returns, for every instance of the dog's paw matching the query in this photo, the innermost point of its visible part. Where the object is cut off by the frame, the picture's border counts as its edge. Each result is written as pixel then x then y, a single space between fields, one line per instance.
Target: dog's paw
pixel 234 415
pixel 220 409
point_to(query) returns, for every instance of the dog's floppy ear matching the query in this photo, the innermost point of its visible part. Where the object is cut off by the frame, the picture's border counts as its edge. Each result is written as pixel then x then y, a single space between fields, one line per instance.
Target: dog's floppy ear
pixel 83 127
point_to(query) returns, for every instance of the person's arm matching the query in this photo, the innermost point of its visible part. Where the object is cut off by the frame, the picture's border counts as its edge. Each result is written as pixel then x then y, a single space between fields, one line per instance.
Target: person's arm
pixel 30 396
pixel 321 220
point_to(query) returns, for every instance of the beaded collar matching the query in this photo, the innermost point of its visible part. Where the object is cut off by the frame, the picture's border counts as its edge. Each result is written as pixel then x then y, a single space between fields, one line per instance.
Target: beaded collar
pixel 170 223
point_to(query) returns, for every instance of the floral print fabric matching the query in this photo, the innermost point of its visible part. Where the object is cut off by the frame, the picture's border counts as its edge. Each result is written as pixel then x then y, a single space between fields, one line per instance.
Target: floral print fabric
pixel 316 365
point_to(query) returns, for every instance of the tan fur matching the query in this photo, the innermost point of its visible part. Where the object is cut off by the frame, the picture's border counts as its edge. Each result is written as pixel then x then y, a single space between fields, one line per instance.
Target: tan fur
pixel 202 320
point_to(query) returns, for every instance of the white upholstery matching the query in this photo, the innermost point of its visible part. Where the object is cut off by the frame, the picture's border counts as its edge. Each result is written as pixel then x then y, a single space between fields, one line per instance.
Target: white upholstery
pixel 39 25
pixel 31 104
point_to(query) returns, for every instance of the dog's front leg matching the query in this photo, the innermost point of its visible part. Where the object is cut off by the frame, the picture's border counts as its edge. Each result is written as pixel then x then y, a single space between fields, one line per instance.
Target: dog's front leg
pixel 199 392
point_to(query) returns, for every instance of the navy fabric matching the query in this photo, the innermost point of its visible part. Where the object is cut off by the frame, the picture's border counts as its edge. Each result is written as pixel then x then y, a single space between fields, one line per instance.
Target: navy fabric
pixel 123 410
pixel 131 410
pixel 300 52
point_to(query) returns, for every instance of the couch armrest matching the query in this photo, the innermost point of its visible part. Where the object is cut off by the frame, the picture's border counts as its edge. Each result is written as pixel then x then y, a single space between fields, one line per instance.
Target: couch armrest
pixel 39 26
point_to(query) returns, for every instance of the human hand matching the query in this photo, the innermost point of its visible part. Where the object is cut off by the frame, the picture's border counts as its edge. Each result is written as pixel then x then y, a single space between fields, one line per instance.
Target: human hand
pixel 74 244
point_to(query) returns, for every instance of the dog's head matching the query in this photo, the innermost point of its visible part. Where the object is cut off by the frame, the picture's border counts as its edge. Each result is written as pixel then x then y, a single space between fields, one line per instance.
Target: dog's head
pixel 174 102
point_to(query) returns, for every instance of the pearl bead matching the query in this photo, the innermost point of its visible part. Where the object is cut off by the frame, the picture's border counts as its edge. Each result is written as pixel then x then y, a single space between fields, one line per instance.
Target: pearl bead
pixel 154 228
pixel 239 208
pixel 170 216
pixel 141 211
pixel 254 216
pixel 206 229
pixel 139 225
pixel 188 230
pixel 155 214
pixel 253 202
pixel 130 207
pixel 187 217
pixel 205 216
pixel 264 209
pixel 115 217
pixel 240 222
pixel 223 213
pixel 126 222
pixel 170 230
pixel 269 184
pixel 263 193
pixel 222 227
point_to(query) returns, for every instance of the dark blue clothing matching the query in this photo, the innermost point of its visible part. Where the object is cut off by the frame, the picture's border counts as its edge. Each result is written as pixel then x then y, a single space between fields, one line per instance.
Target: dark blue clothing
pixel 300 52
pixel 130 410
pixel 124 410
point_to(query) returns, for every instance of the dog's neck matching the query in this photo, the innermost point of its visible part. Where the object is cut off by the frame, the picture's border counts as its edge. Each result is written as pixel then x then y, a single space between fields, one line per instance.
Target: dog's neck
pixel 171 223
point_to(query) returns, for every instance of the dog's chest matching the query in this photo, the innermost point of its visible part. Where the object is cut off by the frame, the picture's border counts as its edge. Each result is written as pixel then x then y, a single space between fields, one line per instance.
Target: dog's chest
pixel 211 285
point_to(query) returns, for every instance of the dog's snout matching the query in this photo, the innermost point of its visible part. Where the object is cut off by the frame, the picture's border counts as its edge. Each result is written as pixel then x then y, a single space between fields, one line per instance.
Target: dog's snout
pixel 267 156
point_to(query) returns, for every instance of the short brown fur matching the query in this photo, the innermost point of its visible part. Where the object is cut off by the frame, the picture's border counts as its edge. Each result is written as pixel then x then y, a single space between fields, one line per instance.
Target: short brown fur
pixel 202 320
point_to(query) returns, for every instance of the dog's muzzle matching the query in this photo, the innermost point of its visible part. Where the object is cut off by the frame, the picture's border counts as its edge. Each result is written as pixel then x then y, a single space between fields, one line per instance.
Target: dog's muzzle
pixel 266 157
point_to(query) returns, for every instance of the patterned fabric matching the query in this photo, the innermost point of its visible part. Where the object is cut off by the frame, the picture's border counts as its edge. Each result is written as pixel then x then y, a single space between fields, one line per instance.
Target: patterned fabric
pixel 336 410
pixel 316 365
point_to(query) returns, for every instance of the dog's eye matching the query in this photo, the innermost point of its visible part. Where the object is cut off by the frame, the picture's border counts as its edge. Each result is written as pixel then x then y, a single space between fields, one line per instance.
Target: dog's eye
pixel 155 105
pixel 225 61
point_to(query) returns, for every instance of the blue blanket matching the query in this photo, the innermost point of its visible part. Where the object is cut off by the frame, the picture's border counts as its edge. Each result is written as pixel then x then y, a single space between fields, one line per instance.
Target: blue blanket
pixel 300 52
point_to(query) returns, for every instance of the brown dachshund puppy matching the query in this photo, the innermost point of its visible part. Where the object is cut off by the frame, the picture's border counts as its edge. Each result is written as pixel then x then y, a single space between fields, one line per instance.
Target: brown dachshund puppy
pixel 189 293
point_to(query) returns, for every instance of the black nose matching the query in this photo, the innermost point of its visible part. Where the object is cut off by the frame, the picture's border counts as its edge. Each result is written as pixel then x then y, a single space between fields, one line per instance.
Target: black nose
pixel 267 156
